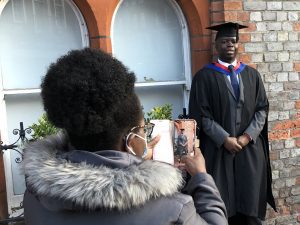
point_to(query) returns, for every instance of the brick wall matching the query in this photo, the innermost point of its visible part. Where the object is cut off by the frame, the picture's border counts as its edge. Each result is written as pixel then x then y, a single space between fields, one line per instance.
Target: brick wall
pixel 272 45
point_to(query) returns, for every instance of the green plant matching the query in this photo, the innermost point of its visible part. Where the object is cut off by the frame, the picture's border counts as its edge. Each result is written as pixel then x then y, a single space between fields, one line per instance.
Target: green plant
pixel 43 128
pixel 161 112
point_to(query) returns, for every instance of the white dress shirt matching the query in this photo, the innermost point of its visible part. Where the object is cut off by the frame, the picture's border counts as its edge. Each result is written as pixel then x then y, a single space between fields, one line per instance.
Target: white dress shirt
pixel 226 65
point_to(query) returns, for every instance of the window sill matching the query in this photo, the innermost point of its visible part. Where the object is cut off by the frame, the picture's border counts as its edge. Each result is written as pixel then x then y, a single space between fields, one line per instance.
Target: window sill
pixel 159 83
pixel 137 84
pixel 21 91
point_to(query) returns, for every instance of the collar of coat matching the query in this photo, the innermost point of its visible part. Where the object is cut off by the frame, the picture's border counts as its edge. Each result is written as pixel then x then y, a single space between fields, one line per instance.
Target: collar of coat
pixel 92 186
pixel 224 70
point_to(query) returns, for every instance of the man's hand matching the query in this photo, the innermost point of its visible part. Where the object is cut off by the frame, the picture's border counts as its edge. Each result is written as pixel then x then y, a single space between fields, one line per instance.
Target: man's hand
pixel 243 140
pixel 151 145
pixel 232 145
pixel 194 164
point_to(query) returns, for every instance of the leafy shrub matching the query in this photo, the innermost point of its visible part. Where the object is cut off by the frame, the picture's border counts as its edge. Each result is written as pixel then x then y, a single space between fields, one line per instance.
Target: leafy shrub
pixel 43 128
pixel 161 112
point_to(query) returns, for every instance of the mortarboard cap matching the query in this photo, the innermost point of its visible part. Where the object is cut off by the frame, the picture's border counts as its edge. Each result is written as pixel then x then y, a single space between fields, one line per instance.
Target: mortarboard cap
pixel 227 30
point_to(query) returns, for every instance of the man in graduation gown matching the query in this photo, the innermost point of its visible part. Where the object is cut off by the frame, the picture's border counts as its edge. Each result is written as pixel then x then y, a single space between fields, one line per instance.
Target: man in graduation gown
pixel 229 103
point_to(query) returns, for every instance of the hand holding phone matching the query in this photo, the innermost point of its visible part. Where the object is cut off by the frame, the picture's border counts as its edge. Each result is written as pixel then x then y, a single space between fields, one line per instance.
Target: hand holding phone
pixel 177 138
pixel 194 164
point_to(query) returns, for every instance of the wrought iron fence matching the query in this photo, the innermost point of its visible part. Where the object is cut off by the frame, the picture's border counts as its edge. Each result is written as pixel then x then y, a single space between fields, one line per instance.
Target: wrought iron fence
pixel 14 146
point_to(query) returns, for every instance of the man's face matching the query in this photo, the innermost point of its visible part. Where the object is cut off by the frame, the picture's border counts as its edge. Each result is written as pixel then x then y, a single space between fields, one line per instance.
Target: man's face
pixel 227 48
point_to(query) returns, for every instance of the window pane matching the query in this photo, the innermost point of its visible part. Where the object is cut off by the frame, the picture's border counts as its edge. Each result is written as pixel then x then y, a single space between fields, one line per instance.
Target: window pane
pixel 156 96
pixel 147 38
pixel 34 33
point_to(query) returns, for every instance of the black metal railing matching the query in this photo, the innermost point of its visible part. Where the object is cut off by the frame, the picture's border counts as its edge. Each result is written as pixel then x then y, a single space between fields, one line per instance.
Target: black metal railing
pixel 21 137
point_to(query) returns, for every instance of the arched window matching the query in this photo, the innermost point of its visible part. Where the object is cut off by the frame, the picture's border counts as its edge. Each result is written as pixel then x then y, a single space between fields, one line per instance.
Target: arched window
pixel 151 38
pixel 32 35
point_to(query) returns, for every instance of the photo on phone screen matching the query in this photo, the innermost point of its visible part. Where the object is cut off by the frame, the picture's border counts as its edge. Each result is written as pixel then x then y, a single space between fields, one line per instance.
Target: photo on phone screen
pixel 177 138
pixel 184 138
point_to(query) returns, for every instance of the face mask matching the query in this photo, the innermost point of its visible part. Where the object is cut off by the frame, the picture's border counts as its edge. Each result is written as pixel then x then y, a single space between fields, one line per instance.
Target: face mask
pixel 131 150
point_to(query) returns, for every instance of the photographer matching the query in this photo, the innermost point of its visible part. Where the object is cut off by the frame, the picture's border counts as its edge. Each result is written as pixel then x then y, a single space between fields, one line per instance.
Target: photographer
pixel 94 172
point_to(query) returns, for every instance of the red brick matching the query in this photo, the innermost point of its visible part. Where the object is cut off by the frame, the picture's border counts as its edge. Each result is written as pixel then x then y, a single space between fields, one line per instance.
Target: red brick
pixel 236 5
pixel 243 16
pixel 286 125
pixel 230 16
pixel 245 37
pixel 217 17
pixel 295 133
pixel 279 135
pixel 245 58
pixel 201 43
pixel 284 210
pixel 199 59
pixel 297 123
pixel 197 14
pixel 217 6
pixel 297 104
pixel 297 66
pixel 296 26
pixel 251 27
pixel 241 48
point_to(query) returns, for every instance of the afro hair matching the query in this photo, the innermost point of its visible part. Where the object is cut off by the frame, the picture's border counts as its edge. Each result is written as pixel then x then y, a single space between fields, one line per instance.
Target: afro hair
pixel 90 94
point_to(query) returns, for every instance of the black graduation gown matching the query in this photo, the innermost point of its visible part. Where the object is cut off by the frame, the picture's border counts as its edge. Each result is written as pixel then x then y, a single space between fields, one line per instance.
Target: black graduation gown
pixel 244 179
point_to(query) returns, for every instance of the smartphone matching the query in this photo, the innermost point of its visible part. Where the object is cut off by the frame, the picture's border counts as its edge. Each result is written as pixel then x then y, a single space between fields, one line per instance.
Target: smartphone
pixel 177 138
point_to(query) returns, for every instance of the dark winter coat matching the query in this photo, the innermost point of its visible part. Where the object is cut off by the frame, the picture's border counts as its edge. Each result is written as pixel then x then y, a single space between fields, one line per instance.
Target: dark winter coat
pixel 71 187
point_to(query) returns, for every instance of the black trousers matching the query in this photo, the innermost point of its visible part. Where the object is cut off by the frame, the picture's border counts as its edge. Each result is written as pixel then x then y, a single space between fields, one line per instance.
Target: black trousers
pixel 240 219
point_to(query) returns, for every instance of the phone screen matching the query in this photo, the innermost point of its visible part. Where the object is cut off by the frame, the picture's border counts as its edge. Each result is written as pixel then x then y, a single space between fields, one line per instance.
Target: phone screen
pixel 184 138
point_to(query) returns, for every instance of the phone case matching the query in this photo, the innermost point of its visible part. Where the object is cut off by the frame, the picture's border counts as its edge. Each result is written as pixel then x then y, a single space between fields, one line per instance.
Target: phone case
pixel 163 150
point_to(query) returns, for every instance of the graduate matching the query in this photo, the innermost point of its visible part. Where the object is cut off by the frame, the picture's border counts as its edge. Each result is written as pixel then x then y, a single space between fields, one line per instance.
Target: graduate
pixel 229 103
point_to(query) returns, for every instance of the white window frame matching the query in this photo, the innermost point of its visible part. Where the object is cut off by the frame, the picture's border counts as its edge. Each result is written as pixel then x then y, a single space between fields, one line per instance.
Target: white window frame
pixel 15 201
pixel 186 54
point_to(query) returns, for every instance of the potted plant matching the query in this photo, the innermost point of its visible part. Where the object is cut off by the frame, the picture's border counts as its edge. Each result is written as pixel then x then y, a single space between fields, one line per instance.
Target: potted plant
pixel 163 112
pixel 43 128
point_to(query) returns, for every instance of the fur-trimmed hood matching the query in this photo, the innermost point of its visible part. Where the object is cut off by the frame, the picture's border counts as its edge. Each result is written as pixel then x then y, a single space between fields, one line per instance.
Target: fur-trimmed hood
pixel 98 185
